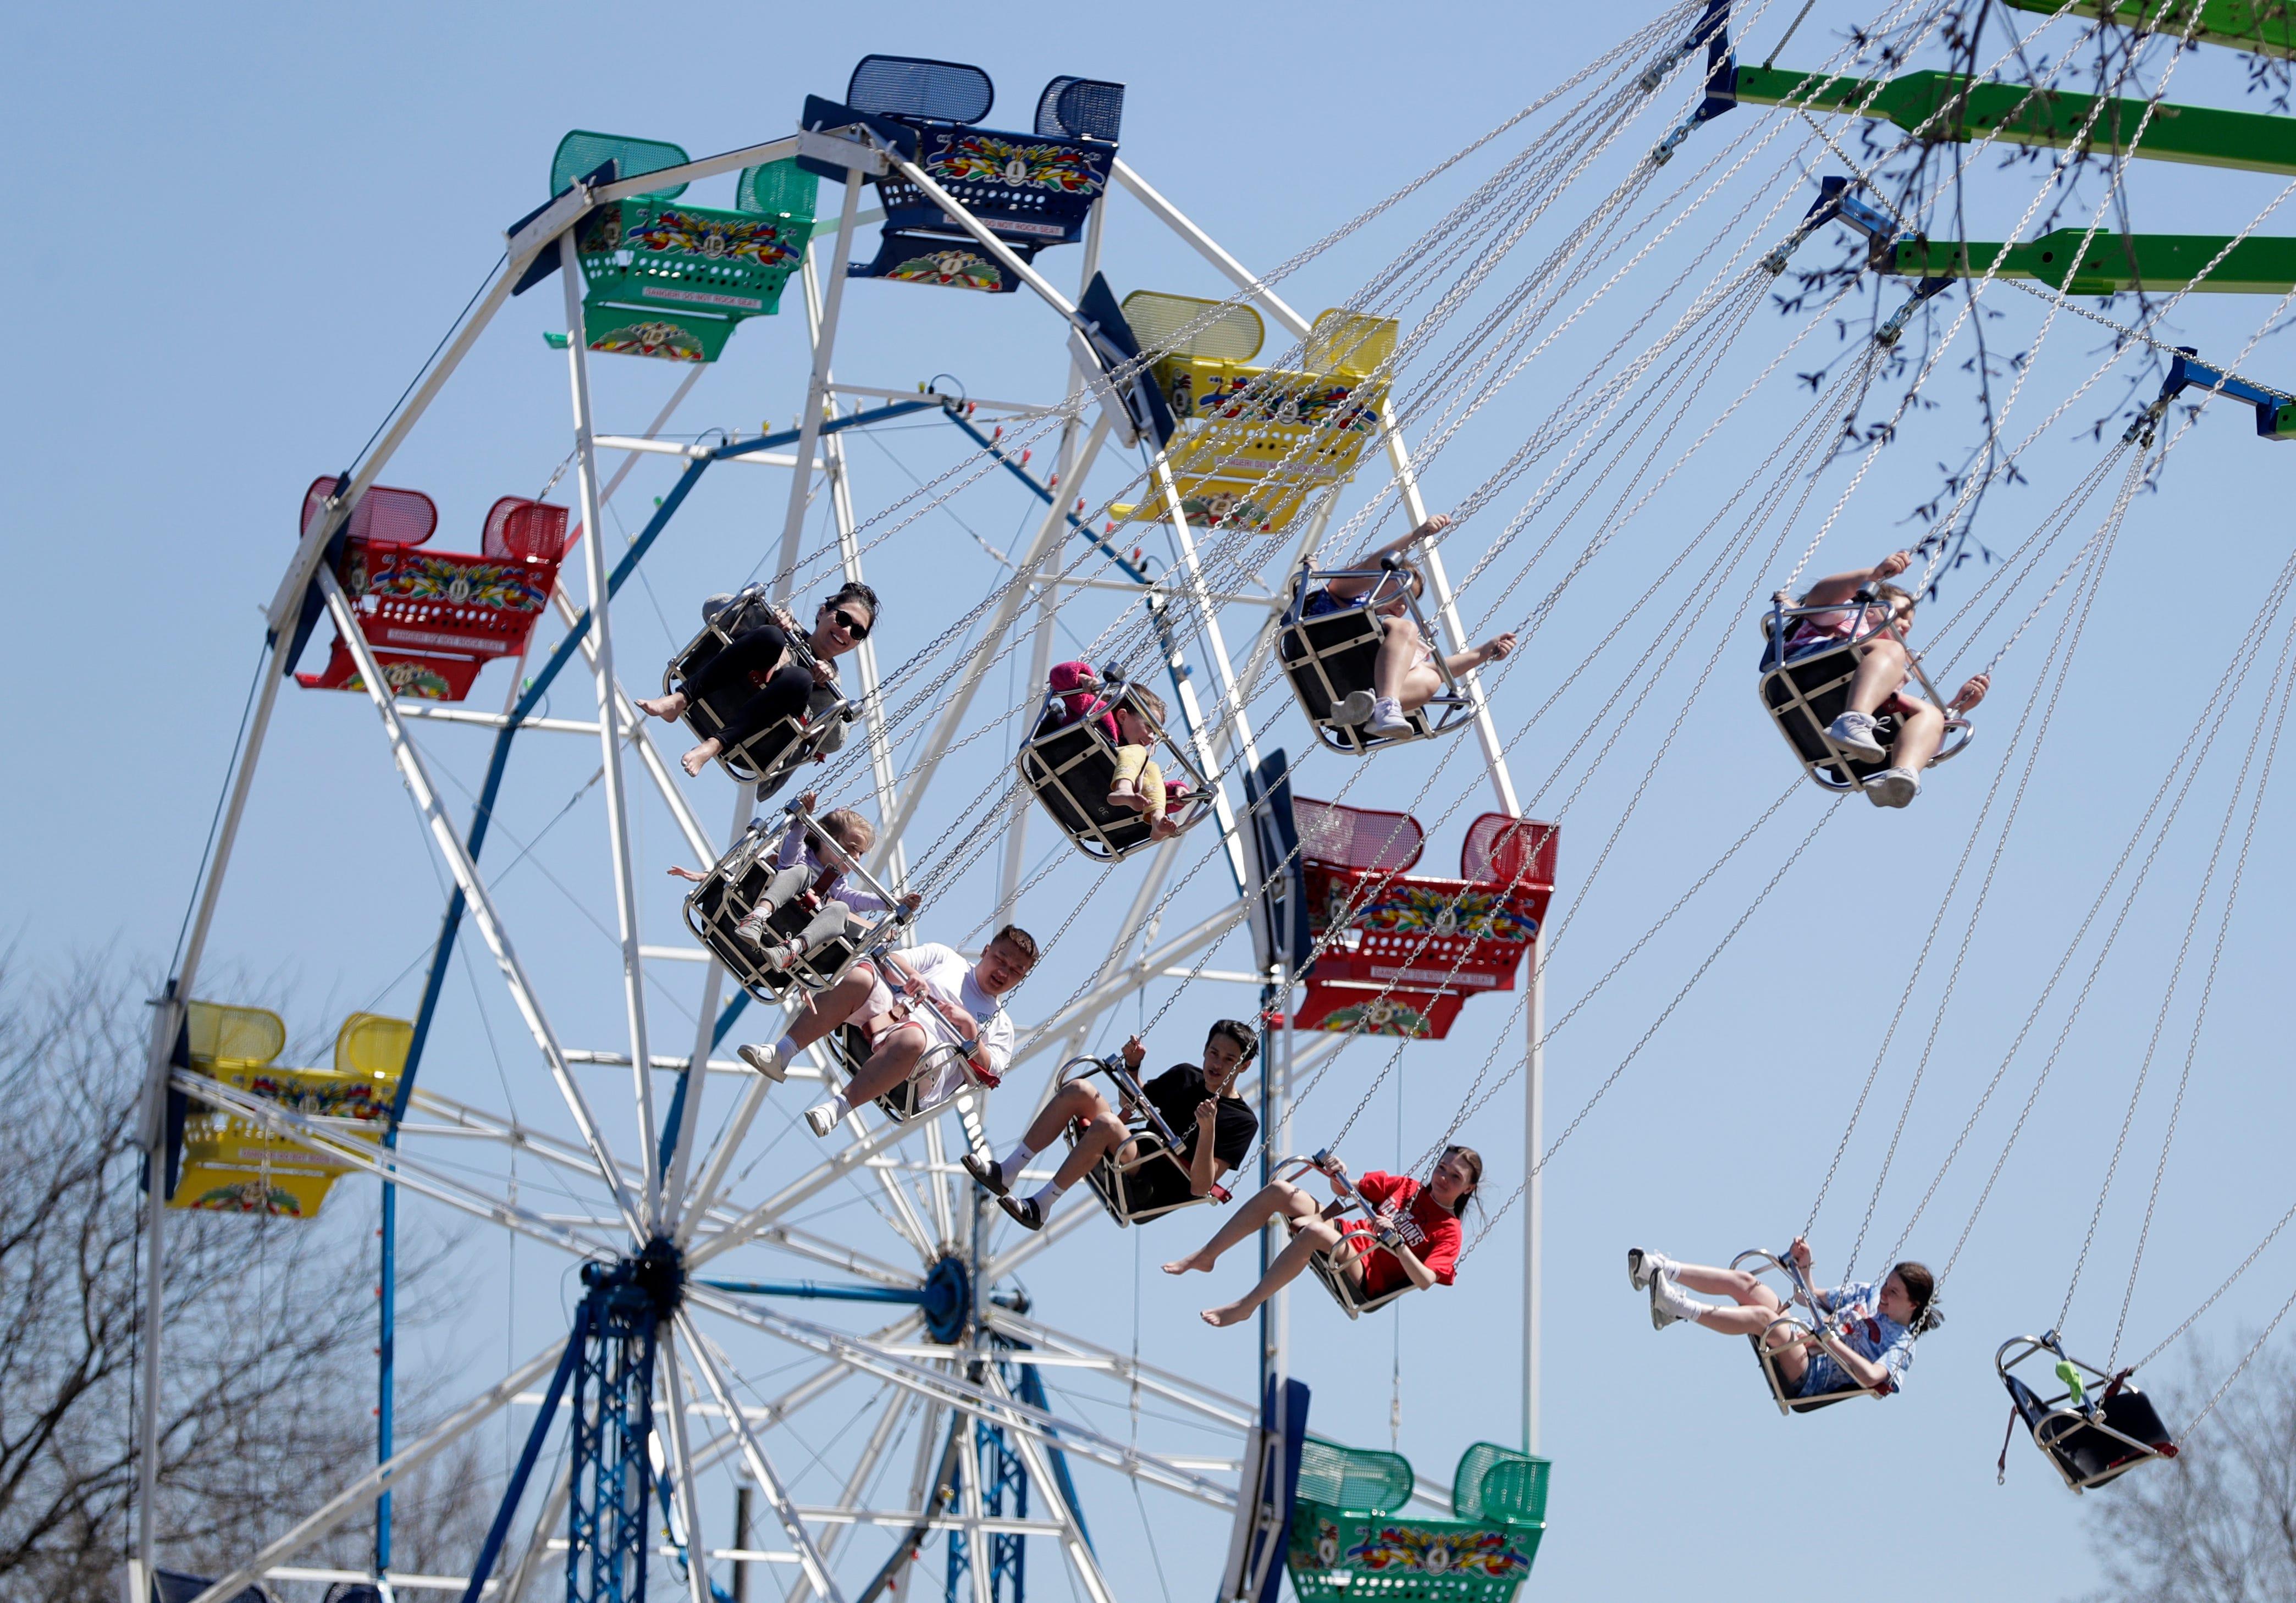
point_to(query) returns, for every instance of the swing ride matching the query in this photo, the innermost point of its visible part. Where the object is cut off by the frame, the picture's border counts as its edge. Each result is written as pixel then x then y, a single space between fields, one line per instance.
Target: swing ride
pixel 683 1224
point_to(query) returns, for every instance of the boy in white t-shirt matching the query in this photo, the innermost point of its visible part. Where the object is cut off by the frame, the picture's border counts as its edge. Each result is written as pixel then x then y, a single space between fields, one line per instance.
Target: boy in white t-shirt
pixel 885 999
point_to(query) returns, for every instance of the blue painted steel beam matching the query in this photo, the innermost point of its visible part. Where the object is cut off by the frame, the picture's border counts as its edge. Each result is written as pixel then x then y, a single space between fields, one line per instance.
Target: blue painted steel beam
pixel 814 1288
pixel 498 1532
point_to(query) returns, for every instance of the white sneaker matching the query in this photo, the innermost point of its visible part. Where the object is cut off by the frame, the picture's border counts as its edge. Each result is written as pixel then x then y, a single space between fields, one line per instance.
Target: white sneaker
pixel 1355 707
pixel 1387 720
pixel 766 1060
pixel 1641 1265
pixel 825 1117
pixel 1854 734
pixel 1893 787
pixel 1671 1304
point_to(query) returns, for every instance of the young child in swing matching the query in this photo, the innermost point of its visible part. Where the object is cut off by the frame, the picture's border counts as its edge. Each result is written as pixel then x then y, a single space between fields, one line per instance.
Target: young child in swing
pixel 1125 719
pixel 813 861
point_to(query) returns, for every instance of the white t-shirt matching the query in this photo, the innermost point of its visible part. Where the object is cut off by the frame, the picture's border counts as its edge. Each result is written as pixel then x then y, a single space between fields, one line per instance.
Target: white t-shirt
pixel 945 971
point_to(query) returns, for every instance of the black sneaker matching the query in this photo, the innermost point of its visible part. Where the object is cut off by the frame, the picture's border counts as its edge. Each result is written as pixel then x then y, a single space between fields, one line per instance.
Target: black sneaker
pixel 987 1173
pixel 1025 1211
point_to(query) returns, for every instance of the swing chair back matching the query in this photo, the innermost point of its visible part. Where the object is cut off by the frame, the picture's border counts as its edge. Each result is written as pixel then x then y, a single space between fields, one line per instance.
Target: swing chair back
pixel 1156 1151
pixel 1069 766
pixel 1785 1330
pixel 434 619
pixel 670 280
pixel 235 1164
pixel 1350 1536
pixel 1255 444
pixel 1398 954
pixel 2098 1437
pixel 738 881
pixel 768 758
pixel 1330 656
pixel 1804 691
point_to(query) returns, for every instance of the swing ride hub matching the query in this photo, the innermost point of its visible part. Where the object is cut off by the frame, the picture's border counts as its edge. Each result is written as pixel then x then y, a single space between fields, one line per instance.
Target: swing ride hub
pixel 947 1301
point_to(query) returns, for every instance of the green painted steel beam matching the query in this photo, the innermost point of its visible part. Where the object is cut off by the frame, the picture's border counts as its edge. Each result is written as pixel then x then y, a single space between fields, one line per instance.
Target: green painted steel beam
pixel 1945 107
pixel 2259 27
pixel 2159 262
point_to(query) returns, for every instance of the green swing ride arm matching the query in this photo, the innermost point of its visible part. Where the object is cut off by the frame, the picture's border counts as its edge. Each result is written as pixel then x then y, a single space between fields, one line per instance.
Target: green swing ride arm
pixel 2113 263
pixel 2260 26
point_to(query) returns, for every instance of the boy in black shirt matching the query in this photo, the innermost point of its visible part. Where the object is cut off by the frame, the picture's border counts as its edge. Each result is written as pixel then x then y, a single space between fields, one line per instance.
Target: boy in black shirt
pixel 1214 1128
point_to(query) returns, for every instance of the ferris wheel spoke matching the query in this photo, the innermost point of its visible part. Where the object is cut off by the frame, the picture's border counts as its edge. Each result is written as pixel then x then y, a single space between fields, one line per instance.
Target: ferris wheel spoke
pixel 1049 1488
pixel 467 1120
pixel 916 1376
pixel 800 1190
pixel 706 1189
pixel 475 893
pixel 817 1569
pixel 1229 1410
pixel 681 1467
pixel 387 1164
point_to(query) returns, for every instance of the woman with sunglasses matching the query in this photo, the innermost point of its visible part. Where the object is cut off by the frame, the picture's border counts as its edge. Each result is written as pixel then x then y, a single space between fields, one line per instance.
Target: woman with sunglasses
pixel 783 683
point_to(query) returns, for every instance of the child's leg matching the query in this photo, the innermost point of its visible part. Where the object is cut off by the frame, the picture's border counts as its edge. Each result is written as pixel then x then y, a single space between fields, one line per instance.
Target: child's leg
pixel 784 888
pixel 830 922
pixel 1880 672
pixel 1124 789
pixel 1921 730
pixel 1150 783
pixel 1398 650
pixel 1420 685
pixel 1316 1237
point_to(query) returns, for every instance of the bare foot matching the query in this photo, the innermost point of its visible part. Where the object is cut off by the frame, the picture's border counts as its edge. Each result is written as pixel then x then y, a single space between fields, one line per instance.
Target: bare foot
pixel 1125 796
pixel 1163 828
pixel 672 705
pixel 1220 1318
pixel 1194 1260
pixel 694 761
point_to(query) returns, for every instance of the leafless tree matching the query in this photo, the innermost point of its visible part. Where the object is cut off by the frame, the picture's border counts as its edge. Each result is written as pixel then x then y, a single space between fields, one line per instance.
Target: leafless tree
pixel 2218 1524
pixel 269 1327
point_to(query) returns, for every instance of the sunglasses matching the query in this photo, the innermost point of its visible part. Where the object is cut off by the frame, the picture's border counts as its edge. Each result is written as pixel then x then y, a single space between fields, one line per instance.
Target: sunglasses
pixel 851 624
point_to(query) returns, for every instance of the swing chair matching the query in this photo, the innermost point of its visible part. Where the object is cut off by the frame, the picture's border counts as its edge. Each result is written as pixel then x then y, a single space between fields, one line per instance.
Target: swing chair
pixel 1254 443
pixel 768 758
pixel 944 1070
pixel 737 882
pixel 1804 694
pixel 1789 1327
pixel 233 1165
pixel 1156 1149
pixel 1350 1537
pixel 435 617
pixel 1345 1292
pixel 2096 1429
pixel 1329 658
pixel 670 280
pixel 1031 190
pixel 1068 765
pixel 1398 954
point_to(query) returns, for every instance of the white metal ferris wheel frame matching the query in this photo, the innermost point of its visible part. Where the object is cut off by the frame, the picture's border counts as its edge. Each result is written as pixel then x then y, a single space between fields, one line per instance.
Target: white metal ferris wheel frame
pixel 692 1207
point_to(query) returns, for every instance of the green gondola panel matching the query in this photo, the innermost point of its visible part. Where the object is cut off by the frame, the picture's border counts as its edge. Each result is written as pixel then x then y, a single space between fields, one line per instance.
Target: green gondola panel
pixel 1349 1538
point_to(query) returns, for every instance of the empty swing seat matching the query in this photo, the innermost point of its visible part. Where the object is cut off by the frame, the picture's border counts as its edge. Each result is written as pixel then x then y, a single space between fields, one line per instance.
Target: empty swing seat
pixel 1030 191
pixel 1070 766
pixel 435 617
pixel 1397 953
pixel 1805 693
pixel 672 280
pixel 2108 1430
pixel 769 756
pixel 1329 656
pixel 232 1164
pixel 733 886
pixel 1350 1537
pixel 1255 444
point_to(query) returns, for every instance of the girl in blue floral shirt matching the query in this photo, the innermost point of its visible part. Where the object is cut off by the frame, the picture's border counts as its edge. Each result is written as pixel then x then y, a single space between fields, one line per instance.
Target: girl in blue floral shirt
pixel 1868 1340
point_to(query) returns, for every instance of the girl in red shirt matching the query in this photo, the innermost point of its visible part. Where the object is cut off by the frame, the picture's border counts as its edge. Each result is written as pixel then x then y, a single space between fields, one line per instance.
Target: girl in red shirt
pixel 1416 1240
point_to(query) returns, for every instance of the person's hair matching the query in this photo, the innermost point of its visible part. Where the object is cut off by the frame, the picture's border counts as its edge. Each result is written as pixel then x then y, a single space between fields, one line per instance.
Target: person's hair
pixel 1474 1163
pixel 1019 939
pixel 849 830
pixel 1897 597
pixel 854 590
pixel 1246 1038
pixel 1144 700
pixel 1921 1286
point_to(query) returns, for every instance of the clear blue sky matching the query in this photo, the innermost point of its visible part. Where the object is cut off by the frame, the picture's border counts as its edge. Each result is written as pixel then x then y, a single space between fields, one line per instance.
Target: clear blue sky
pixel 240 240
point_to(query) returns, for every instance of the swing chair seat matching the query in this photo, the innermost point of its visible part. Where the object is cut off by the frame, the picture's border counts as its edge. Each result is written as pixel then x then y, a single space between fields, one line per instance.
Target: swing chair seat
pixel 1330 656
pixel 1069 767
pixel 734 887
pixel 1350 1298
pixel 1350 1537
pixel 1805 693
pixel 672 281
pixel 235 1164
pixel 2087 1443
pixel 1410 949
pixel 768 758
pixel 1787 1325
pixel 434 619
pixel 1255 444
pixel 940 1077
pixel 1153 1183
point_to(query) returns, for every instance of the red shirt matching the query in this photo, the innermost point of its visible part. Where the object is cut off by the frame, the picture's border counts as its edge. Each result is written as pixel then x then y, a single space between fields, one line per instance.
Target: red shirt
pixel 1432 1233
